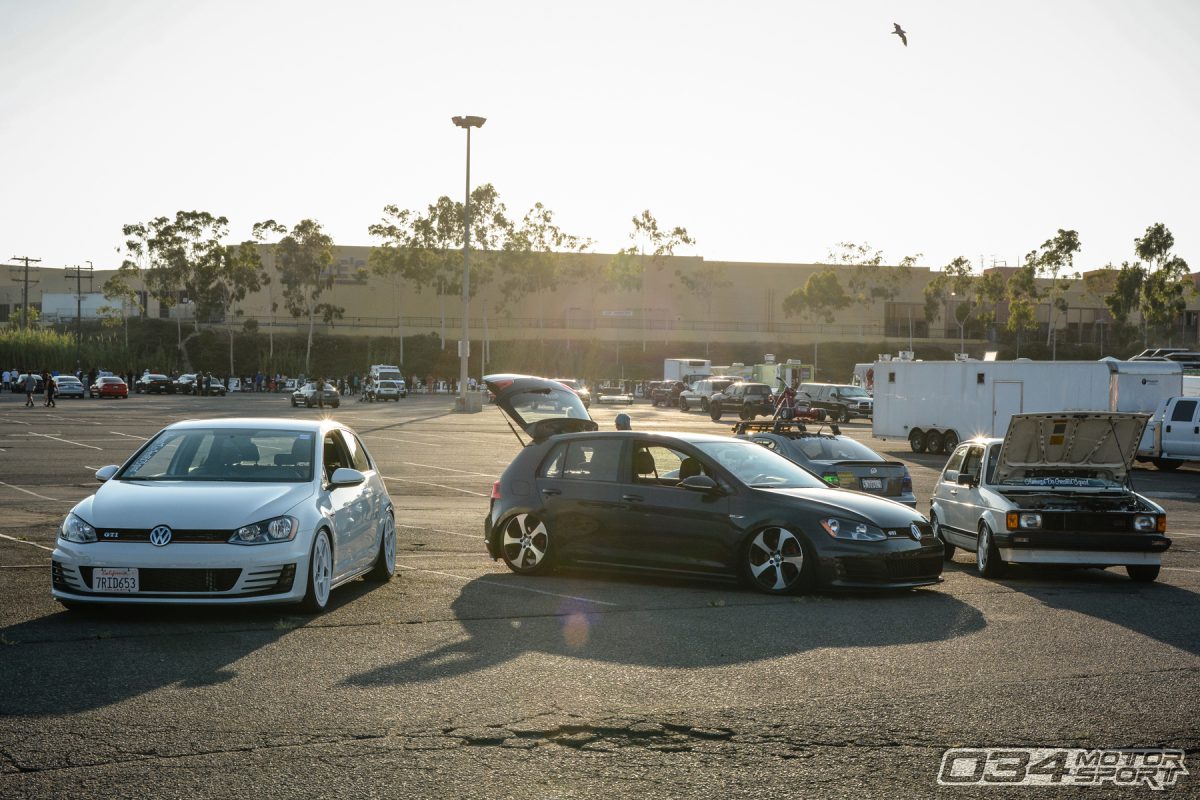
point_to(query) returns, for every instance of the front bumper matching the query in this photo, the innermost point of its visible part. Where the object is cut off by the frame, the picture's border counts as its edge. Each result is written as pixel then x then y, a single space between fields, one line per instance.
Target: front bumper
pixel 1081 547
pixel 204 573
pixel 891 564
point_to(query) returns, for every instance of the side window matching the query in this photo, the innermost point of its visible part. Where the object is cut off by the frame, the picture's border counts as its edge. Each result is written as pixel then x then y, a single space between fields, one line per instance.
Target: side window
pixel 1184 411
pixel 358 456
pixel 592 460
pixel 767 443
pixel 954 465
pixel 654 463
pixel 972 462
pixel 992 459
pixel 553 465
pixel 333 454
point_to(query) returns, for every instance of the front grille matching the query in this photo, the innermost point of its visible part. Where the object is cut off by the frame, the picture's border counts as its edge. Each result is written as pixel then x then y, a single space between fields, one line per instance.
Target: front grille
pixel 1087 521
pixel 152 580
pixel 177 536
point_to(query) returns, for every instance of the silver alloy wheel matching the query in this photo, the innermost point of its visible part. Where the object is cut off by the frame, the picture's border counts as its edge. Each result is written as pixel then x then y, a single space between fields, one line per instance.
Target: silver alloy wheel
pixel 775 559
pixel 525 542
pixel 321 569
pixel 389 544
pixel 982 543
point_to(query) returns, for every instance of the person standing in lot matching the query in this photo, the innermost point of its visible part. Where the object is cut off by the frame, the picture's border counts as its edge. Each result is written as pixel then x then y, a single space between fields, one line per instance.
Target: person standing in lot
pixel 49 379
pixel 320 386
pixel 7 378
pixel 30 387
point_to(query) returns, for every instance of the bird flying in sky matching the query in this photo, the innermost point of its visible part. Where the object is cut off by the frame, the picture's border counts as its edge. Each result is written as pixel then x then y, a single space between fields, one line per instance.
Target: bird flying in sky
pixel 900 32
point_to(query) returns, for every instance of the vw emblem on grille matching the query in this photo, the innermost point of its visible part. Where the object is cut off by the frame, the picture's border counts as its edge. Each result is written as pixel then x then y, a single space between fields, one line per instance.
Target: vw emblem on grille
pixel 160 536
pixel 916 532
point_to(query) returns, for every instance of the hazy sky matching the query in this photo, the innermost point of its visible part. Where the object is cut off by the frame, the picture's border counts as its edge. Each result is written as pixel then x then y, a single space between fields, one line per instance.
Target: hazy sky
pixel 771 130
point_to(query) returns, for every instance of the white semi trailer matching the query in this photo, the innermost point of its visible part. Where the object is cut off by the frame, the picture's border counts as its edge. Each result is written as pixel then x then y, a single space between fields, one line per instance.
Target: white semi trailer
pixel 936 404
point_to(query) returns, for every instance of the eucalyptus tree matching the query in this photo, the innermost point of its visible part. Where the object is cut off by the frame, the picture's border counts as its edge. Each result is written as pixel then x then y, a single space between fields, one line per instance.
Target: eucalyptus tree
pixel 1166 283
pixel 1056 258
pixel 626 271
pixel 224 282
pixel 172 254
pixel 532 257
pixel 1023 296
pixel 260 233
pixel 305 258
pixel 972 293
pixel 821 297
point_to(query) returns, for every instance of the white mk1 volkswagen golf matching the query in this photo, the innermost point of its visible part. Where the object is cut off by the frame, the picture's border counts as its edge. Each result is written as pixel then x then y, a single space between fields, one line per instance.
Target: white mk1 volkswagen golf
pixel 230 511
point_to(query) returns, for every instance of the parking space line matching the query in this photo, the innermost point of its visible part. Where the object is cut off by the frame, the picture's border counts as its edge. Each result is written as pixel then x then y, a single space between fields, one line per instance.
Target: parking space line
pixel 14 422
pixel 450 469
pixel 1182 569
pixel 439 530
pixel 509 586
pixel 68 441
pixel 130 435
pixel 35 494
pixel 401 441
pixel 440 486
pixel 23 566
pixel 22 541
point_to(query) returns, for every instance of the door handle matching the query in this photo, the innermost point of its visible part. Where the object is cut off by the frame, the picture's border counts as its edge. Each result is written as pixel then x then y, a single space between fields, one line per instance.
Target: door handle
pixel 1168 429
pixel 549 492
pixel 632 498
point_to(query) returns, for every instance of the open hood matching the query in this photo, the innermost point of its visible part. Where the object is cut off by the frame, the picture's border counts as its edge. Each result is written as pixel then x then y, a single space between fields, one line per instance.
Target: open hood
pixel 1093 448
pixel 539 406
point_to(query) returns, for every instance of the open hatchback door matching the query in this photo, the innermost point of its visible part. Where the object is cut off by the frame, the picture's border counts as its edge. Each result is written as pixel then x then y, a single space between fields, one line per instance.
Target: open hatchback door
pixel 539 406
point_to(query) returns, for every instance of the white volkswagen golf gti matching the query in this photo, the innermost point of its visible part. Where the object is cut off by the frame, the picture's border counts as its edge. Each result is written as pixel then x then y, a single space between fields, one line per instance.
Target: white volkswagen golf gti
pixel 230 511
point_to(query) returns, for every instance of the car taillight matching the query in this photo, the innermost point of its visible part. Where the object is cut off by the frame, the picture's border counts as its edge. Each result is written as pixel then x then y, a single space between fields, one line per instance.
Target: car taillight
pixel 906 483
pixel 496 490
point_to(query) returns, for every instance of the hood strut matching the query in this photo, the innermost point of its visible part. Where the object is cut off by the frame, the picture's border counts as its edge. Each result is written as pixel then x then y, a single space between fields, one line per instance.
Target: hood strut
pixel 514 430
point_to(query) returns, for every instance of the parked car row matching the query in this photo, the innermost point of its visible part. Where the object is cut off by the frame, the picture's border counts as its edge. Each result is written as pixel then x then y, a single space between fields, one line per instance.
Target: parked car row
pixel 749 399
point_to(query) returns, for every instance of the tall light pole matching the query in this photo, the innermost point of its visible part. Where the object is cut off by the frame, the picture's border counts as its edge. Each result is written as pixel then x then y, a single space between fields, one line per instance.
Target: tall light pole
pixel 464 346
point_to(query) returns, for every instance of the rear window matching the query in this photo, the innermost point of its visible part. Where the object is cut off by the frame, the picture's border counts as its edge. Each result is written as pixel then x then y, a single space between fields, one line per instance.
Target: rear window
pixel 829 448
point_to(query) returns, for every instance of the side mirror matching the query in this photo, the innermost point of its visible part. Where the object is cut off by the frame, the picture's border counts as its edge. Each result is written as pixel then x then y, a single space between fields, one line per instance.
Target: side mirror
pixel 967 479
pixel 104 473
pixel 344 476
pixel 699 483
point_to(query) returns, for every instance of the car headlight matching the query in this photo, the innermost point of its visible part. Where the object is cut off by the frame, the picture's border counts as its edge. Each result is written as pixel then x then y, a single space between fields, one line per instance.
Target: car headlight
pixel 279 529
pixel 851 529
pixel 1146 523
pixel 75 529
pixel 1022 520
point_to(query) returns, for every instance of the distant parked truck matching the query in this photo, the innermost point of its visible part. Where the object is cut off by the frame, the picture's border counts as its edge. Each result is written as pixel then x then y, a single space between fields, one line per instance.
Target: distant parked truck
pixel 936 404
pixel 1172 436
pixel 686 369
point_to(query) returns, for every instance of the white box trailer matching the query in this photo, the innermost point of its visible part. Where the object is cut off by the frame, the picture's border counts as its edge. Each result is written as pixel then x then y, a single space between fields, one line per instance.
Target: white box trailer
pixel 936 404
pixel 686 369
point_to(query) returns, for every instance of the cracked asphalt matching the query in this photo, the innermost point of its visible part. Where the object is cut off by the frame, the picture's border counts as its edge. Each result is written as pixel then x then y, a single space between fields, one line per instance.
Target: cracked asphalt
pixel 459 679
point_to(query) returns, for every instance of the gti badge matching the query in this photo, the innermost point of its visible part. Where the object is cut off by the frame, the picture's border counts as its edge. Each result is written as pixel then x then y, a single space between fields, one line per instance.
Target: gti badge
pixel 916 532
pixel 161 536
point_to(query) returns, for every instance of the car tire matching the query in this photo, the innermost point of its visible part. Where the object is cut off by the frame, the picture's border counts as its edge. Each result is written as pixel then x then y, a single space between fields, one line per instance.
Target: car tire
pixel 917 441
pixel 385 561
pixel 526 545
pixel 1168 464
pixel 744 415
pixel 776 561
pixel 320 574
pixel 714 411
pixel 934 442
pixel 987 555
pixel 949 442
pixel 704 404
pixel 683 404
pixel 1142 573
pixel 947 548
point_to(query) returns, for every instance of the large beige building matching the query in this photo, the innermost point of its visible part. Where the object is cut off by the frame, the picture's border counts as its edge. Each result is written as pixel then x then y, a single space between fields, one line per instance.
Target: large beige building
pixel 746 305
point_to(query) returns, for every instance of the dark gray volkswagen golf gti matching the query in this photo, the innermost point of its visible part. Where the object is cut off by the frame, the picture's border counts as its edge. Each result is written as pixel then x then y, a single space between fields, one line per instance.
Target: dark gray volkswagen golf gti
pixel 688 505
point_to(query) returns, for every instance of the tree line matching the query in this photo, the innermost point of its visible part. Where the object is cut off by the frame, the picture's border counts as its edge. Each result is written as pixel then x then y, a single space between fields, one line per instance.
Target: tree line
pixel 1155 286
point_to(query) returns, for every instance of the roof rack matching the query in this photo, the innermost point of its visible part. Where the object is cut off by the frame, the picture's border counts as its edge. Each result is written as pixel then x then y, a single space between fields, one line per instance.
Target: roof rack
pixel 778 426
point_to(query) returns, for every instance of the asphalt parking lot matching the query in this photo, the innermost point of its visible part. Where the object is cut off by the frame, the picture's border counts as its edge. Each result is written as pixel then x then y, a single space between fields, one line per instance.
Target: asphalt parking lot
pixel 459 679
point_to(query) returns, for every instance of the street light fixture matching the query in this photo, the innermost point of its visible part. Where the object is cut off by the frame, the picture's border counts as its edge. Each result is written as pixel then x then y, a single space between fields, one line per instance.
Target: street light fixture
pixel 464 346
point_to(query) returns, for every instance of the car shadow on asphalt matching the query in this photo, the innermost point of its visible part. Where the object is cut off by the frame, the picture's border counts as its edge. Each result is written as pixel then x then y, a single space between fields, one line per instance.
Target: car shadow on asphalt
pixel 700 631
pixel 1159 611
pixel 72 661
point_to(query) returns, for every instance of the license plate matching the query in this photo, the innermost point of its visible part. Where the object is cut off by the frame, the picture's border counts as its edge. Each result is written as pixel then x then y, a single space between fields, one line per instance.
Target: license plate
pixel 115 580
pixel 872 483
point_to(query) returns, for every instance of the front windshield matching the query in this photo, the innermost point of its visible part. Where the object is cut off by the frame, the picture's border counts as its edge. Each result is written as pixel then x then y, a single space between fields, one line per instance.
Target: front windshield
pixel 224 454
pixel 758 467
pixel 854 391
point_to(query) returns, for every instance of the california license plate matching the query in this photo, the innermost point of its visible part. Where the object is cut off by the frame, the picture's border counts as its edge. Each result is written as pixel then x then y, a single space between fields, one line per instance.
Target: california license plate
pixel 872 483
pixel 115 580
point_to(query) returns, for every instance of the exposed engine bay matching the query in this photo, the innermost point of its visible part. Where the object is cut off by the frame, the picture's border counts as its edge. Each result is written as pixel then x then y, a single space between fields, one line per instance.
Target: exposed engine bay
pixel 1064 501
